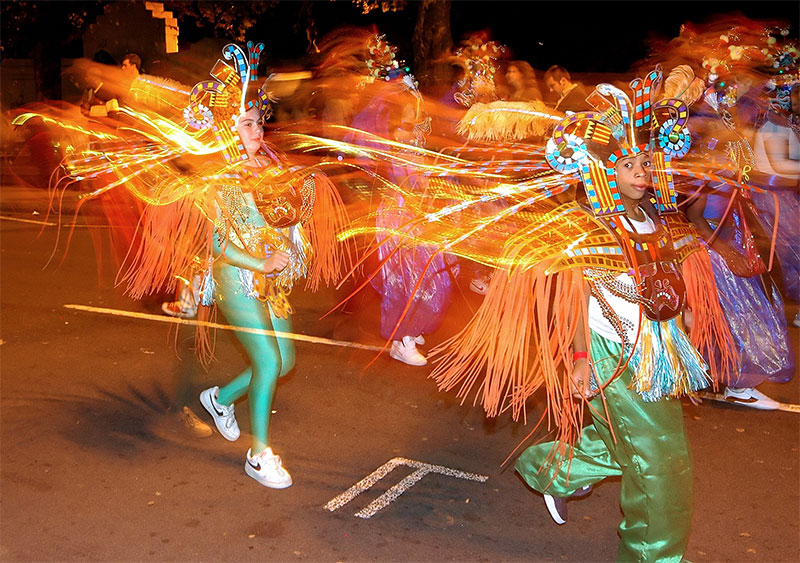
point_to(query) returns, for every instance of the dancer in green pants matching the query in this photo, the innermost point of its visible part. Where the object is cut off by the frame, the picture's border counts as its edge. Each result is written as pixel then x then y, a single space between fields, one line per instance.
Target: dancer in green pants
pixel 632 274
pixel 648 449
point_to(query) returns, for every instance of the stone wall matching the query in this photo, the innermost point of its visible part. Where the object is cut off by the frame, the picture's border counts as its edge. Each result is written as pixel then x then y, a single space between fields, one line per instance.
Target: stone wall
pixel 143 28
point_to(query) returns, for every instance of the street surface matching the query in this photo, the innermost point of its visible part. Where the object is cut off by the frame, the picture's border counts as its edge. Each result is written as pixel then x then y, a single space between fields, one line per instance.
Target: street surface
pixel 95 466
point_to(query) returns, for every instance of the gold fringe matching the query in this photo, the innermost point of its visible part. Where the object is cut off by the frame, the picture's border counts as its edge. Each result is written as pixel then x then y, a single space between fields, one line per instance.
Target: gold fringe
pixel 172 236
pixel 331 256
pixel 520 340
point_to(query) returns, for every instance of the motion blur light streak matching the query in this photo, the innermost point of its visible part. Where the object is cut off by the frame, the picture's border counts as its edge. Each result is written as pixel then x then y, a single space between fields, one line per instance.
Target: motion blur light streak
pixel 174 320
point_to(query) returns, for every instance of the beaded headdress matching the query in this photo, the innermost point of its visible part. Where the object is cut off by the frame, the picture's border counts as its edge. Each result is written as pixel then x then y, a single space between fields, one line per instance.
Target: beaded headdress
pixel 216 104
pixel 592 142
pixel 383 66
pixel 479 58
pixel 382 63
pixel 782 57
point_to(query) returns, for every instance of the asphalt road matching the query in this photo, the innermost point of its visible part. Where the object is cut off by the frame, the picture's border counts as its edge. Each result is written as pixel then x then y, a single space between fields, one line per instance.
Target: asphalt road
pixel 95 467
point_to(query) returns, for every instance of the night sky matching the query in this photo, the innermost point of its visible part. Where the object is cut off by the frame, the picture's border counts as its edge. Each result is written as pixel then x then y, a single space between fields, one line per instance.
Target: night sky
pixel 583 36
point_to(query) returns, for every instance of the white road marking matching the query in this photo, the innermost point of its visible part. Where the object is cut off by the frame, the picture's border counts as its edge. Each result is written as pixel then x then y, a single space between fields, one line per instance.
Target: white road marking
pixel 788 407
pixel 406 483
pixel 49 224
pixel 20 220
pixel 165 319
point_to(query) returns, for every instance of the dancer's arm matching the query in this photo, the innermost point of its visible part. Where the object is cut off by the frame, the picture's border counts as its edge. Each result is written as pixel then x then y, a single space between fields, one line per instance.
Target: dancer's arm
pixel 235 256
pixel 776 145
pixel 580 353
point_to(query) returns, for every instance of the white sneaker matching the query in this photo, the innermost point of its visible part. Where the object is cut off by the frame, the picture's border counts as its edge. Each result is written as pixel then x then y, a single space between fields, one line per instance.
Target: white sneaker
pixel 223 416
pixel 750 397
pixel 176 309
pixel 420 340
pixel 406 351
pixel 557 507
pixel 479 285
pixel 266 468
pixel 194 425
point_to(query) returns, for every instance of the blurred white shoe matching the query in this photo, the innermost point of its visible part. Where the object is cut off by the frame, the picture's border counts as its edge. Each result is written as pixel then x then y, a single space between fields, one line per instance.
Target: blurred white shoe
pixel 406 351
pixel 186 305
pixel 479 285
pixel 750 397
pixel 193 424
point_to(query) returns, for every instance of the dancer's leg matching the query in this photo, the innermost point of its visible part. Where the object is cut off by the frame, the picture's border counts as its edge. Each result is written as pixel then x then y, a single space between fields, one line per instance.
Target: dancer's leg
pixel 650 446
pixel 263 350
pixel 238 386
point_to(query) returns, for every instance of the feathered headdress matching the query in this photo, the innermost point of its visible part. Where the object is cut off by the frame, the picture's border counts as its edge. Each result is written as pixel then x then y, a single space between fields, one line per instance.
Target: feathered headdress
pixel 478 57
pixel 591 143
pixel 217 104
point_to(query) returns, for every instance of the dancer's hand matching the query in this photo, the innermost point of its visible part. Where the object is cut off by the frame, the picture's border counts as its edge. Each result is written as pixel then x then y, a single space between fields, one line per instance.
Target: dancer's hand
pixel 580 379
pixel 276 261
pixel 688 319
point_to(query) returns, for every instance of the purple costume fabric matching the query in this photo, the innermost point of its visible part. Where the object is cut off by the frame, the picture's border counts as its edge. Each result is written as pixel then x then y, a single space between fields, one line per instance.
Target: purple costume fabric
pixel 758 326
pixel 754 311
pixel 401 273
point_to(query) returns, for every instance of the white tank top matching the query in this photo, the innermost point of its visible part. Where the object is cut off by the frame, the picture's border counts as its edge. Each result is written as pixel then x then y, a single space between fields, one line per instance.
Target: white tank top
pixel 624 309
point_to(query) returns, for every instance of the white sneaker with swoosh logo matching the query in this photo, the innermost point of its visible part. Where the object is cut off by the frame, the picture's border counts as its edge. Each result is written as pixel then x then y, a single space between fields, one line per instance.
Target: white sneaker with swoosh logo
pixel 266 468
pixel 223 416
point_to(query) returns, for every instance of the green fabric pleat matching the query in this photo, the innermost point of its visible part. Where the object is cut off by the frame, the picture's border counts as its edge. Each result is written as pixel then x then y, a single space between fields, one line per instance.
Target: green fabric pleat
pixel 651 454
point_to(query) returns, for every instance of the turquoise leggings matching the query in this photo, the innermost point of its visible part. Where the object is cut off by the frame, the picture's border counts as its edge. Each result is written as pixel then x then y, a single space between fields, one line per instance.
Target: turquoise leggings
pixel 270 357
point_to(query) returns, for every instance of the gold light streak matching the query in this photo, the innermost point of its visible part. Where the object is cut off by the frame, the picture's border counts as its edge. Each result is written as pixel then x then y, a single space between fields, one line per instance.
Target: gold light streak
pixel 174 132
pixel 24 117
pixel 311 143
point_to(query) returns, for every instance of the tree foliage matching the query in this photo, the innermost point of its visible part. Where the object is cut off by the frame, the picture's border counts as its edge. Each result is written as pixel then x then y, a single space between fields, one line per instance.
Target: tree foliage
pixel 57 24
pixel 231 20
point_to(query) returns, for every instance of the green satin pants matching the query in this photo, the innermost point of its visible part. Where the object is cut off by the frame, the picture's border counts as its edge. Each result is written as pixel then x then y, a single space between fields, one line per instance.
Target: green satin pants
pixel 650 453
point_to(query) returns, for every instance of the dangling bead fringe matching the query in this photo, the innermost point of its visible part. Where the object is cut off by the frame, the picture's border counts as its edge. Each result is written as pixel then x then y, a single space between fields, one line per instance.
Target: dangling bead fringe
pixel 207 288
pixel 247 279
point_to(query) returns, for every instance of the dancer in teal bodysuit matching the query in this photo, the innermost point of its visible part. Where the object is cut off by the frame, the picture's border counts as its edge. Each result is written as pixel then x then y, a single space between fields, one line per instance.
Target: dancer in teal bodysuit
pixel 270 357
pixel 260 249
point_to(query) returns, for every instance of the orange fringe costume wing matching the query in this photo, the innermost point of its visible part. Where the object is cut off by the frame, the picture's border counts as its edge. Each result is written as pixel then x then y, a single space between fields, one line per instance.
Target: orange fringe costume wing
pixel 177 171
pixel 520 339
